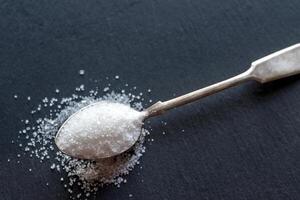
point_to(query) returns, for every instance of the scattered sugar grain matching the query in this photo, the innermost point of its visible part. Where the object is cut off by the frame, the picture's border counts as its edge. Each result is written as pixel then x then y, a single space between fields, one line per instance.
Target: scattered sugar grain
pixel 81 72
pixel 78 89
pixel 52 166
pixel 15 96
pixel 105 89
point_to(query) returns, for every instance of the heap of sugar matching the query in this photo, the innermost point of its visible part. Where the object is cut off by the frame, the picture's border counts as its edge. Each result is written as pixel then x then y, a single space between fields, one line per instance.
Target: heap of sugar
pixel 102 129
pixel 81 178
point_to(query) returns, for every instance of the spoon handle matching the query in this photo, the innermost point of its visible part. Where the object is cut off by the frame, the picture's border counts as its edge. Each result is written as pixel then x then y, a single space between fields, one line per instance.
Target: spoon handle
pixel 280 64
pixel 160 107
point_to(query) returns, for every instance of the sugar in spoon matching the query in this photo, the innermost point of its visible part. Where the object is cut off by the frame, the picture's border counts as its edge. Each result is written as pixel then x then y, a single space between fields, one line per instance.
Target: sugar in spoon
pixel 97 131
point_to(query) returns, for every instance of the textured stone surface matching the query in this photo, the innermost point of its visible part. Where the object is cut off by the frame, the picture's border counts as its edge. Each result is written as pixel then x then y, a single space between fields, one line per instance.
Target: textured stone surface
pixel 243 143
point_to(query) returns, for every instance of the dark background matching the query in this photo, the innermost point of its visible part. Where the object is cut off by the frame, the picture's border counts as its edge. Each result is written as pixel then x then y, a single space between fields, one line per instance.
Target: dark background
pixel 243 143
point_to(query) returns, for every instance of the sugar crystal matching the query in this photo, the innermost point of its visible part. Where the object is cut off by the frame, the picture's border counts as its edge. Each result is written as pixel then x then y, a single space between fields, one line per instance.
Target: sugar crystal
pixel 81 72
pixel 105 89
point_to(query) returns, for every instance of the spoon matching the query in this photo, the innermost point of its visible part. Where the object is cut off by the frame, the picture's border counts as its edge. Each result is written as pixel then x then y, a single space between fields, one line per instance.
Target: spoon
pixel 275 66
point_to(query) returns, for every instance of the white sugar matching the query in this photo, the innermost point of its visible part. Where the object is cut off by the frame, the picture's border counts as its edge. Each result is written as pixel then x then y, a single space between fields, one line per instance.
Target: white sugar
pixel 100 130
pixel 40 132
pixel 81 72
pixel 105 89
pixel 52 166
pixel 80 88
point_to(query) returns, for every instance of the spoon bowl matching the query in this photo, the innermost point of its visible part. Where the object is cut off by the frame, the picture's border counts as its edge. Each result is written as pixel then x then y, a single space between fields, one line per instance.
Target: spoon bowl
pixel 100 130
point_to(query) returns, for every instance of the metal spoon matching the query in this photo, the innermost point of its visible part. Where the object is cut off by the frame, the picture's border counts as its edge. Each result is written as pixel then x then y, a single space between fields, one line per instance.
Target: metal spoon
pixel 275 66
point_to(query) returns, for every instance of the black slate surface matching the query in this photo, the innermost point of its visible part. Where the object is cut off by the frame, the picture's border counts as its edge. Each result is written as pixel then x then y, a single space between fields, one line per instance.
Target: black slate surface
pixel 243 143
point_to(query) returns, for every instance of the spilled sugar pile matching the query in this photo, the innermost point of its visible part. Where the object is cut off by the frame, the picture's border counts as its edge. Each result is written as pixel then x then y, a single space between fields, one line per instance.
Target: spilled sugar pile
pixel 84 177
